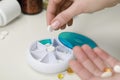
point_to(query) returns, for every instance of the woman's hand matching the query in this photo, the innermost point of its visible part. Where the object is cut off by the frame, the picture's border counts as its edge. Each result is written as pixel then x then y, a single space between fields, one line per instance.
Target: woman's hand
pixel 61 12
pixel 90 63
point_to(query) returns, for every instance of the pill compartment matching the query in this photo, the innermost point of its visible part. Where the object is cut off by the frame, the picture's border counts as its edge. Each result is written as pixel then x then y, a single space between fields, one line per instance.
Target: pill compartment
pixel 53 55
pixel 49 53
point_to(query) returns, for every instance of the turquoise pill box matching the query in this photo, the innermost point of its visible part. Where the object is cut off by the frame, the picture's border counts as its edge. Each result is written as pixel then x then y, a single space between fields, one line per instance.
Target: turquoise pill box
pixel 53 55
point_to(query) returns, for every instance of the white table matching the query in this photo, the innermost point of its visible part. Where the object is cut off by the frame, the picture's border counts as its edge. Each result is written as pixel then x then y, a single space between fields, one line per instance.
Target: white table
pixel 103 27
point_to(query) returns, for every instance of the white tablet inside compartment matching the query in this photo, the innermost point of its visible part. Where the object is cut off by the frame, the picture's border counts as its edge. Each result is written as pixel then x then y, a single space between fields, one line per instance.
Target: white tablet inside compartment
pixel 50 55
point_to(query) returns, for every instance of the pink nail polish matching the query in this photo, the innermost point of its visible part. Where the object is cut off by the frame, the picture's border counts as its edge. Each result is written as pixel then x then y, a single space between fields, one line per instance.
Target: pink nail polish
pixel 55 24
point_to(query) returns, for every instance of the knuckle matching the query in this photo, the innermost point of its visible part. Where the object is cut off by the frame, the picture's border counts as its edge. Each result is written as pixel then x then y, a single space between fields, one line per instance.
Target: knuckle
pixel 66 17
pixel 56 1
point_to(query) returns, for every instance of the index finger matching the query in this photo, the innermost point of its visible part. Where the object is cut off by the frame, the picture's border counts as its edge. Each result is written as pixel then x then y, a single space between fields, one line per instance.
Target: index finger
pixel 52 9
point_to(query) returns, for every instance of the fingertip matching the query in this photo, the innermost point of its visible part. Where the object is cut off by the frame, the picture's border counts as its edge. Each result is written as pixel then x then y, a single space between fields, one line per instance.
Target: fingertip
pixel 76 48
pixel 78 52
pixel 85 46
pixel 99 50
pixel 55 24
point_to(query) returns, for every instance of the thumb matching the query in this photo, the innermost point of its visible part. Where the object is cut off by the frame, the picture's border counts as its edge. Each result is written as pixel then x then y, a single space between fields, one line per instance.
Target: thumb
pixel 66 15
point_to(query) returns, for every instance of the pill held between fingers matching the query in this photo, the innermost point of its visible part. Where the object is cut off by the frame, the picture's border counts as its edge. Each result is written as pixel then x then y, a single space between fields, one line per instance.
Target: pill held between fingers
pixel 106 74
pixel 116 68
pixel 50 29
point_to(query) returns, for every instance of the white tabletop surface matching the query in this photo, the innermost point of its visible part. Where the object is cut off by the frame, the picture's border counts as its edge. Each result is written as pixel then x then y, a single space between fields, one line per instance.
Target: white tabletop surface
pixel 103 27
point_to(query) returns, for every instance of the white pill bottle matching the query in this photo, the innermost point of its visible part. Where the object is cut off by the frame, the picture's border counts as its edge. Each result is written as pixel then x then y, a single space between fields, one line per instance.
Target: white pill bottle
pixel 9 10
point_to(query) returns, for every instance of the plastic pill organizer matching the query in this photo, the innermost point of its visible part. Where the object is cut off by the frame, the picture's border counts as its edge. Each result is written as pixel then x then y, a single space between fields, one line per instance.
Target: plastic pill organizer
pixel 53 55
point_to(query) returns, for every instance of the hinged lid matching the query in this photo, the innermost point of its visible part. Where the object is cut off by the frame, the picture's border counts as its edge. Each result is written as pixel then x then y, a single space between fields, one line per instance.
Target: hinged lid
pixel 71 39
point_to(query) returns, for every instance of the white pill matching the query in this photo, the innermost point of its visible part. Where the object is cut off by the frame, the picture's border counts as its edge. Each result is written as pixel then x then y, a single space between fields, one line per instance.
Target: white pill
pixel 106 74
pixel 116 68
pixel 47 45
pixel 50 48
pixel 2 37
pixel 5 33
pixel 50 29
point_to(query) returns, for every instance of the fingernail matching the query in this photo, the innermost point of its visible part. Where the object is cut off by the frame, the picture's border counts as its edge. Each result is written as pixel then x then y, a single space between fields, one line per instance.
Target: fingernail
pixel 55 24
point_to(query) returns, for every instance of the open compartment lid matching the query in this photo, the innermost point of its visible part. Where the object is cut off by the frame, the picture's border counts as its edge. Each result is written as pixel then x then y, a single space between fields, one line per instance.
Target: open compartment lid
pixel 71 39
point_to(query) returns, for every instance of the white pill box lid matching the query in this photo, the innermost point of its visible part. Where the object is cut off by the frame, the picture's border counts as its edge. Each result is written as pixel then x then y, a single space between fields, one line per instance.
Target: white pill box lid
pixel 67 40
